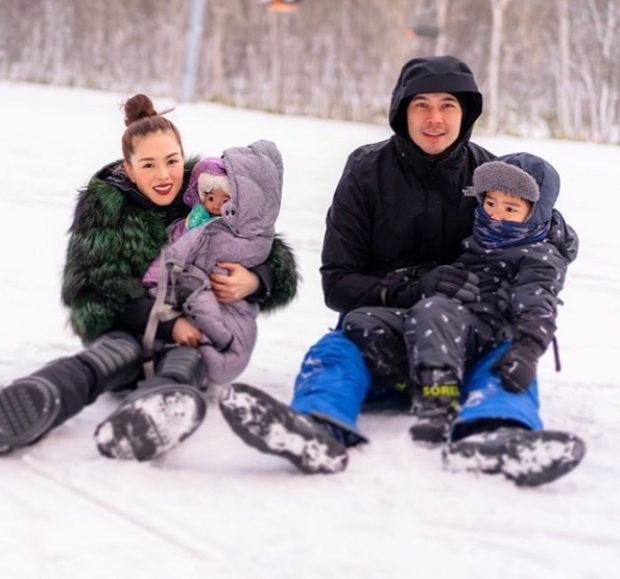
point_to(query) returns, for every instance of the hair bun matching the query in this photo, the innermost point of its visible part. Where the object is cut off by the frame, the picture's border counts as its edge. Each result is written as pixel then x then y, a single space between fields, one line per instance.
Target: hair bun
pixel 138 107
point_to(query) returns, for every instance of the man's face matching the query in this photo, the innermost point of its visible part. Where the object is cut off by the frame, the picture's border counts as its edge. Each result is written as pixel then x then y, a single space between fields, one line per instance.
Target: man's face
pixel 434 121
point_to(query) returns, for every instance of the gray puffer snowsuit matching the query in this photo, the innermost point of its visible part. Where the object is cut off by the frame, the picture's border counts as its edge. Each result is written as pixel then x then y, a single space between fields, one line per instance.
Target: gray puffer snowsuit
pixel 243 234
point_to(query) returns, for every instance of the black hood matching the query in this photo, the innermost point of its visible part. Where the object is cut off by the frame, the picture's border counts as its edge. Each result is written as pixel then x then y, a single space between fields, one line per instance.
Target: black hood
pixel 434 74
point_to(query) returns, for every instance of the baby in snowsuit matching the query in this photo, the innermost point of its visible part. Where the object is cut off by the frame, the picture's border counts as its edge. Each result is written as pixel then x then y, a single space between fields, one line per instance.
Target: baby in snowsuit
pixel 520 276
pixel 207 190
pixel 210 181
pixel 245 188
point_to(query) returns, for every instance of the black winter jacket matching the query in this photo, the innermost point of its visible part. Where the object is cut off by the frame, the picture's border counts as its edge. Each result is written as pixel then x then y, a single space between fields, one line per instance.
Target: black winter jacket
pixel 395 206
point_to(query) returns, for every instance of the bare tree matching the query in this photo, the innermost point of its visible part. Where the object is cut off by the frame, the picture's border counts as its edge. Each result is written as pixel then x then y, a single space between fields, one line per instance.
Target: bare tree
pixel 498 8
pixel 442 8
pixel 564 84
pixel 544 67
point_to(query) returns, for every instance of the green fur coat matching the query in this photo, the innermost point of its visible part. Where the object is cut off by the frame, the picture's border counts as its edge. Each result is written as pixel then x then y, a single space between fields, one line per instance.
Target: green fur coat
pixel 116 234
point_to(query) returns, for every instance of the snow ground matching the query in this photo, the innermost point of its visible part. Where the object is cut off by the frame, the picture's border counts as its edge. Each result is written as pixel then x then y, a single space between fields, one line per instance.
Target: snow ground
pixel 215 508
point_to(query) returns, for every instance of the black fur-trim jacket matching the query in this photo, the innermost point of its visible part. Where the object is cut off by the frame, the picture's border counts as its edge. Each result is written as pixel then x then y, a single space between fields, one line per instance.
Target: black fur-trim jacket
pixel 115 235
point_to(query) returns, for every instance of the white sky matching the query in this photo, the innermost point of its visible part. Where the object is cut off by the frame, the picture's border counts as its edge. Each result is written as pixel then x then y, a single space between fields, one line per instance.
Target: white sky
pixel 213 508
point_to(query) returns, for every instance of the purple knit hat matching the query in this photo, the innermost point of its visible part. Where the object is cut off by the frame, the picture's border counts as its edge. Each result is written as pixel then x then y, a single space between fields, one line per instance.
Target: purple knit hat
pixel 214 177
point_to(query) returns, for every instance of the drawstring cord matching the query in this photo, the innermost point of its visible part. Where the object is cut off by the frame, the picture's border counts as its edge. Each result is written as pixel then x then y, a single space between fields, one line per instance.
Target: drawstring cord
pixel 556 355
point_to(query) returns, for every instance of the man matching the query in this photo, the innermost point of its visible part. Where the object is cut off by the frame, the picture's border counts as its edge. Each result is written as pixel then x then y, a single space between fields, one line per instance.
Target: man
pixel 397 218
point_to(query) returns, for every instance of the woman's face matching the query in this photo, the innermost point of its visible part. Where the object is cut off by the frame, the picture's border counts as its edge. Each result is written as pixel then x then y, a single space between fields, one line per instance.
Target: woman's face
pixel 156 167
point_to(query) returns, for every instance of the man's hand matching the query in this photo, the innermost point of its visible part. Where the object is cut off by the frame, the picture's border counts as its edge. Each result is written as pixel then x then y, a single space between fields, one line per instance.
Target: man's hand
pixel 451 282
pixel 185 333
pixel 403 291
pixel 237 285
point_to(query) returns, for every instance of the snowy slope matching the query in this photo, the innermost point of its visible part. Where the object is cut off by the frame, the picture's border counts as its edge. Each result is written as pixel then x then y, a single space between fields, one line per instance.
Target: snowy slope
pixel 215 508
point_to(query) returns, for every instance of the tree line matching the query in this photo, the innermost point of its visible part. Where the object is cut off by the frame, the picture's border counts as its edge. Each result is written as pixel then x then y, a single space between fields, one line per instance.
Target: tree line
pixel 545 67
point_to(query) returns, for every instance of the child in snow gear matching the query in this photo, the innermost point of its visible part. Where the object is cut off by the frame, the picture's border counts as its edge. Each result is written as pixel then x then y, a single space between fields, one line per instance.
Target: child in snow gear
pixel 520 275
pixel 251 184
pixel 398 215
pixel 119 228
pixel 210 182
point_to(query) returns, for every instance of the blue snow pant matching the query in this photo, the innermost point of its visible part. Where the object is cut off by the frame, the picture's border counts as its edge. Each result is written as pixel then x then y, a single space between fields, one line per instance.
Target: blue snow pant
pixel 334 382
pixel 483 397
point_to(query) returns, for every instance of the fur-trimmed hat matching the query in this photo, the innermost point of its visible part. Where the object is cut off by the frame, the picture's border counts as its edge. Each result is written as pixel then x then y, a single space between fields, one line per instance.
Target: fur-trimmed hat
pixel 208 174
pixel 507 178
pixel 523 175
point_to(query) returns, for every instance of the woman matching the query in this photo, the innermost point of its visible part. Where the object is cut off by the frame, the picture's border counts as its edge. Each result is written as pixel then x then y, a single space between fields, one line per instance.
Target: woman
pixel 119 227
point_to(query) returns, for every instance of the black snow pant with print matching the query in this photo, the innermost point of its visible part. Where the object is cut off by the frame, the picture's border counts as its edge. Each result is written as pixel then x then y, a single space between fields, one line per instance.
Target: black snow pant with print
pixel 396 342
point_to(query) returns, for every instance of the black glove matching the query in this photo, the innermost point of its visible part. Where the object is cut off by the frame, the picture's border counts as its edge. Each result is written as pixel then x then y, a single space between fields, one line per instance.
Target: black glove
pixel 517 367
pixel 502 295
pixel 404 287
pixel 400 288
pixel 452 282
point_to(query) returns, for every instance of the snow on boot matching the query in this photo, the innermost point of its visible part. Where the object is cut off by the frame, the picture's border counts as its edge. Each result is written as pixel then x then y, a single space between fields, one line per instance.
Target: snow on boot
pixel 28 409
pixel 273 428
pixel 150 422
pixel 435 406
pixel 528 458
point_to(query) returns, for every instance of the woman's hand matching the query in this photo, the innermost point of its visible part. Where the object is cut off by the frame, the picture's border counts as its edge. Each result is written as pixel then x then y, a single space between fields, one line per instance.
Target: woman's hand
pixel 237 285
pixel 185 333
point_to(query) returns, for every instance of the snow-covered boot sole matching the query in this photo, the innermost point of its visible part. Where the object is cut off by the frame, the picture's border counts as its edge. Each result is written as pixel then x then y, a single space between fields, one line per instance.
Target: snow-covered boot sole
pixel 273 428
pixel 28 409
pixel 528 458
pixel 151 422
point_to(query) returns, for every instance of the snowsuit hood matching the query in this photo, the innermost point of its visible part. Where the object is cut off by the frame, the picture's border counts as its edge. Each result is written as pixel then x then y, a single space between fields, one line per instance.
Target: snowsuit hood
pixel 435 74
pixel 256 175
pixel 547 179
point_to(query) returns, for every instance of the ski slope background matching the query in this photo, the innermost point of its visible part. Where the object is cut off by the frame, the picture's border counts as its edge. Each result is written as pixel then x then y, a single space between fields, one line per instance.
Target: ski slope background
pixel 215 508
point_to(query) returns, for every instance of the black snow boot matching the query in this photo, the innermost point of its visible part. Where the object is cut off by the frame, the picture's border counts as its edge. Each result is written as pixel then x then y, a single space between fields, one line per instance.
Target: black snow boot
pixel 528 458
pixel 32 406
pixel 435 405
pixel 164 410
pixel 28 409
pixel 271 427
